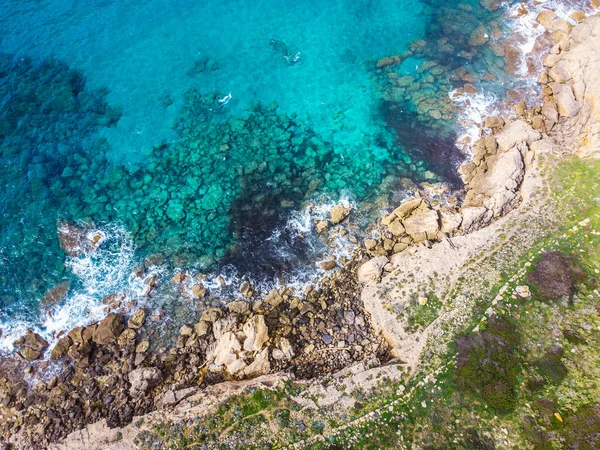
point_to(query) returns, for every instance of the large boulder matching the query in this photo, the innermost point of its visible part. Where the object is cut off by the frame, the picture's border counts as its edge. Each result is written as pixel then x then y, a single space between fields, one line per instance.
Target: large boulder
pixel 497 188
pixel 339 213
pixel 565 100
pixel 108 330
pixel 407 207
pixel 256 333
pixel 372 269
pixel 143 379
pixel 137 319
pixel 61 348
pixel 260 365
pixel 75 240
pixel 423 226
pixel 515 133
pixel 211 315
pixel 224 351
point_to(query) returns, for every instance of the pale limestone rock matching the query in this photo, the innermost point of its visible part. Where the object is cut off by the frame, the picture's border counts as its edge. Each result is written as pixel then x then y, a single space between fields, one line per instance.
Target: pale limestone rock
pixel 211 315
pixel 515 133
pixel 567 105
pixel 143 379
pixel 223 325
pixel 396 228
pixel 407 207
pixel 474 218
pixel 523 291
pixel 497 189
pixel 260 365
pixel 450 221
pixel 224 351
pixel 256 333
pixel 372 269
pixel 546 18
pixel 239 306
pixel 422 226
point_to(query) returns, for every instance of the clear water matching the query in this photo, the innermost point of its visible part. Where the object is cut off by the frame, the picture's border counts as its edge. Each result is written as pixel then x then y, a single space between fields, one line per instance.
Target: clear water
pixel 198 130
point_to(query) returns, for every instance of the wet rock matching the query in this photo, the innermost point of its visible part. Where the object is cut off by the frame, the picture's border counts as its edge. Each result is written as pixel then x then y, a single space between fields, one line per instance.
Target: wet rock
pixel 239 307
pixel 56 294
pixel 178 278
pixel 247 290
pixel 137 319
pixel 30 354
pixel 76 241
pixel 199 291
pixel 273 298
pixel 61 348
pixel 493 122
pixel 127 337
pixel 108 330
pixel 546 18
pixel 321 226
pixel 211 315
pixel 149 284
pixel 385 62
pixel 339 213
pixel 34 341
pixel 372 269
pixel 143 379
pixel 328 265
pixel 256 333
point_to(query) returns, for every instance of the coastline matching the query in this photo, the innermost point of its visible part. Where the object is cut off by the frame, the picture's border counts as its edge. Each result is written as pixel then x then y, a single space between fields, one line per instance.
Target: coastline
pixel 502 177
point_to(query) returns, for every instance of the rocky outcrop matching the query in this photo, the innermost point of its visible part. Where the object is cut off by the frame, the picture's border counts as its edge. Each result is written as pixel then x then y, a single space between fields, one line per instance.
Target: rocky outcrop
pixel 31 346
pixel 143 379
pixel 503 172
pixel 108 330
pixel 571 107
pixel 76 240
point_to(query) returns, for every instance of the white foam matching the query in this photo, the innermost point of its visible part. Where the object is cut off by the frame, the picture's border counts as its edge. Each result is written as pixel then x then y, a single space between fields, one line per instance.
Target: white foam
pixel 107 270
pixel 474 108
pixel 525 30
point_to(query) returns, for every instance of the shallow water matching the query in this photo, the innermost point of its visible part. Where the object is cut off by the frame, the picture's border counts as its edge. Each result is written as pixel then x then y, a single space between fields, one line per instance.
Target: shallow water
pixel 201 130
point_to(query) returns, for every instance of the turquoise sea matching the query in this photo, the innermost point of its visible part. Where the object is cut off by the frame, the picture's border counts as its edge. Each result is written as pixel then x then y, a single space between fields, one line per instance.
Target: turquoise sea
pixel 196 134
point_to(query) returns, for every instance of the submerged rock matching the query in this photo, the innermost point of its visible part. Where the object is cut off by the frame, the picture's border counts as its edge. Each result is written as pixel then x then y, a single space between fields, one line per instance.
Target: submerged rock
pixel 57 293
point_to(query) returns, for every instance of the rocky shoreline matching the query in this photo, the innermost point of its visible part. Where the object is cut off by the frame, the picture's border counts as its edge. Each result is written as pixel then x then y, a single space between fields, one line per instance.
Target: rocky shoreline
pixel 111 375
